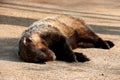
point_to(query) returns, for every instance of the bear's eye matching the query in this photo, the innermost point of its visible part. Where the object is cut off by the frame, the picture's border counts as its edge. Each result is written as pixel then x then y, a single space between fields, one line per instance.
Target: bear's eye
pixel 44 42
pixel 44 50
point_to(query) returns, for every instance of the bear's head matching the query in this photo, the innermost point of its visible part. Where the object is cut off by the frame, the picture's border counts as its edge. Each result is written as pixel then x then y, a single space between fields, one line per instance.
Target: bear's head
pixel 35 49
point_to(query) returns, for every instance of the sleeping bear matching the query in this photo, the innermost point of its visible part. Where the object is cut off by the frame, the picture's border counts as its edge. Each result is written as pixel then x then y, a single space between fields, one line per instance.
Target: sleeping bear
pixel 54 38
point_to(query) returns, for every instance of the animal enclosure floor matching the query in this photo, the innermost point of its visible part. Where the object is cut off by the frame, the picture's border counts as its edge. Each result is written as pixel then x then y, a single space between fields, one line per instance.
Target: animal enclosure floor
pixel 103 16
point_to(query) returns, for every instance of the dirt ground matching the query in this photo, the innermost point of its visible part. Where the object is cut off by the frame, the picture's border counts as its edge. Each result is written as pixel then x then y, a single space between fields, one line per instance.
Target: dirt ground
pixel 103 16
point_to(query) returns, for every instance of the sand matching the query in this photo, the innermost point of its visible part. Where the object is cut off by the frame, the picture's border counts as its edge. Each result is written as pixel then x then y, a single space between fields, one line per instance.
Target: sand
pixel 103 18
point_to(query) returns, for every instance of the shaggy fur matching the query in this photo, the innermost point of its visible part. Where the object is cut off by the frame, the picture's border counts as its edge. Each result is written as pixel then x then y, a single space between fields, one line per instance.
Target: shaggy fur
pixel 54 38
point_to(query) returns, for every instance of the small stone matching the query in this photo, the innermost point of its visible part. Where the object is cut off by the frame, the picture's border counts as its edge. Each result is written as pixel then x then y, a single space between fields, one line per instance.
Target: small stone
pixel 102 74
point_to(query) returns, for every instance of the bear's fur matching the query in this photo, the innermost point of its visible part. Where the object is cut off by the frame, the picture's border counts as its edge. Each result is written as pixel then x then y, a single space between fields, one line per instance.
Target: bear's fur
pixel 55 37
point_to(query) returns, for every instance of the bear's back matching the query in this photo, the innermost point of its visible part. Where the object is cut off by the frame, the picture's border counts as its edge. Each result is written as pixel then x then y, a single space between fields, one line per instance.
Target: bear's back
pixel 66 25
pixel 66 30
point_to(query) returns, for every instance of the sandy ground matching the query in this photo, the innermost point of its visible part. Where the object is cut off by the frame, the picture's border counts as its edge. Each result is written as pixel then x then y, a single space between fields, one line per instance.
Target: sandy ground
pixel 103 16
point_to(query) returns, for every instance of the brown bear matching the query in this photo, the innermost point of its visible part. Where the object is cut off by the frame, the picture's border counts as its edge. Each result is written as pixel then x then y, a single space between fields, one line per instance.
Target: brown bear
pixel 55 37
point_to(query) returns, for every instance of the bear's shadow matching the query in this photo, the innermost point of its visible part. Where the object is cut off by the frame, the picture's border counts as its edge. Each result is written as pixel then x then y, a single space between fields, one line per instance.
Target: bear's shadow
pixel 9 48
pixel 9 51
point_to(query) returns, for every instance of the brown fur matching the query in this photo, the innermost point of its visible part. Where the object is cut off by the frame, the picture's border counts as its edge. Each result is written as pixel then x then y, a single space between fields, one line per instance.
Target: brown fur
pixel 55 37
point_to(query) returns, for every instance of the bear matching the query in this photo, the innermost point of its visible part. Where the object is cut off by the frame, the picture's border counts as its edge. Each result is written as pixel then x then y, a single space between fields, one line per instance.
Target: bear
pixel 54 38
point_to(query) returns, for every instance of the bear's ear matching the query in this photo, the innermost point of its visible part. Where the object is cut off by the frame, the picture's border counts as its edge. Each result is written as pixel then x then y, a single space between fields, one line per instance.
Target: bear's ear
pixel 33 38
pixel 27 40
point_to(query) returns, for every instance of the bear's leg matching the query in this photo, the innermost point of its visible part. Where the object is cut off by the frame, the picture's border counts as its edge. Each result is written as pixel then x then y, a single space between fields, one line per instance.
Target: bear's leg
pixel 63 50
pixel 81 57
pixel 85 45
pixel 110 43
pixel 104 44
pixel 95 43
pixel 86 38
